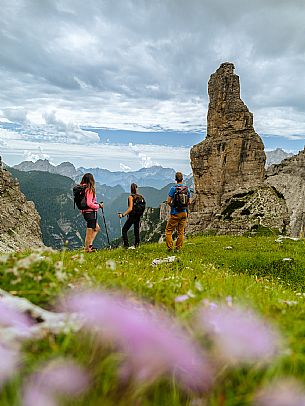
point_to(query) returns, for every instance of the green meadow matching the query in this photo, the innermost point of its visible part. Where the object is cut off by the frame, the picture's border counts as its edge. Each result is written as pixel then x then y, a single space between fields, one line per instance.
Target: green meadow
pixel 256 272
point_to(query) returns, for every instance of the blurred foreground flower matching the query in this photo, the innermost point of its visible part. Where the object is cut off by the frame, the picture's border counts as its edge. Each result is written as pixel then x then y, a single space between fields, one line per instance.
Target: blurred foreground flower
pixel 239 334
pixel 153 345
pixel 9 363
pixel 286 392
pixel 58 378
pixel 10 317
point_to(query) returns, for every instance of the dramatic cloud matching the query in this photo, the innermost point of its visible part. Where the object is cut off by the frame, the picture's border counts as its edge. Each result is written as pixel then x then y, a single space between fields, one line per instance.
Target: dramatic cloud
pixel 66 65
pixel 147 63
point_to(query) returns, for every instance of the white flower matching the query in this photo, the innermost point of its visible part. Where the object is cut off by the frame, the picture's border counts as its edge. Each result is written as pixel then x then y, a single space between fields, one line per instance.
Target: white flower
pixel 110 264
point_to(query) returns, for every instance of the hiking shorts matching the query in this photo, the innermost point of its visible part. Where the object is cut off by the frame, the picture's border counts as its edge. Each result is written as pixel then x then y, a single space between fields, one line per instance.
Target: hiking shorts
pixel 91 218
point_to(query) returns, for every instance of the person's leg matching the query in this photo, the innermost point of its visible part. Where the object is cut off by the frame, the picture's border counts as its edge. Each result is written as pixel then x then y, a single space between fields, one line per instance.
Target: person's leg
pixel 125 229
pixel 88 238
pixel 136 228
pixel 170 227
pixel 92 229
pixel 181 227
pixel 94 233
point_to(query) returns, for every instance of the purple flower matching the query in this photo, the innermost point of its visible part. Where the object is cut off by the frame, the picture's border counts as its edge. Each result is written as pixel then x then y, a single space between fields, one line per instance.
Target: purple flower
pixel 282 393
pixel 9 317
pixel 181 298
pixel 239 335
pixel 153 345
pixel 9 363
pixel 59 377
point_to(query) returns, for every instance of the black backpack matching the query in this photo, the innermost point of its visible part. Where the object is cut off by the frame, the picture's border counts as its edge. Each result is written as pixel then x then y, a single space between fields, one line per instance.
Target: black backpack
pixel 181 198
pixel 139 205
pixel 79 193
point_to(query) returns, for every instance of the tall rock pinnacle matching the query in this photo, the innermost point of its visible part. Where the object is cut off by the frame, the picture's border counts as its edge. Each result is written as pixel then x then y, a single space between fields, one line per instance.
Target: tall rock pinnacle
pixel 232 157
pixel 229 167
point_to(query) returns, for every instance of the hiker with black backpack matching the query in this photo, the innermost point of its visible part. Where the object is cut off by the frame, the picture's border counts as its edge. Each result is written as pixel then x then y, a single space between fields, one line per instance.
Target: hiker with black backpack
pixel 85 200
pixel 178 199
pixel 135 210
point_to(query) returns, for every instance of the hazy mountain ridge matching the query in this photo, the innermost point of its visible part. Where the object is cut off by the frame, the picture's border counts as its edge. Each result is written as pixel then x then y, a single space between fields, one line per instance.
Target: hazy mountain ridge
pixel 154 176
pixel 276 156
pixel 44 165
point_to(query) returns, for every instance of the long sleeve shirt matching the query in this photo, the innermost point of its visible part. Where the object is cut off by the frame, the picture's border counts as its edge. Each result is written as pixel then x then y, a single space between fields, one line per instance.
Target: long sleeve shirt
pixel 91 201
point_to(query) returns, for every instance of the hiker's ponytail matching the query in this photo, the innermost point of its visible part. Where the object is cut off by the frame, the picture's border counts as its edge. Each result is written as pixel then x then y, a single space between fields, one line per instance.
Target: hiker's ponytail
pixel 89 181
pixel 133 189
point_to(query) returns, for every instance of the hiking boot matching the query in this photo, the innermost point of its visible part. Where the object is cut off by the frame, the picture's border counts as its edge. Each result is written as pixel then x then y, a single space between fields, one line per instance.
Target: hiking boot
pixel 91 249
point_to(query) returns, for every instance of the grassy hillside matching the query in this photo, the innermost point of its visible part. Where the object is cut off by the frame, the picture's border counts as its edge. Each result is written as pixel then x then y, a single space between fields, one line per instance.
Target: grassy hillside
pixel 254 272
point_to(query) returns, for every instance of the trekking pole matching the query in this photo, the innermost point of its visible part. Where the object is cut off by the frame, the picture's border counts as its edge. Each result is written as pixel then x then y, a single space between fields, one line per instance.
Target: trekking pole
pixel 120 223
pixel 105 226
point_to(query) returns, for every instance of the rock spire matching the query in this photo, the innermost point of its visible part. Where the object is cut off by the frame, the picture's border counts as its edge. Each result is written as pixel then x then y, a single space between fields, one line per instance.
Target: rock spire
pixel 231 159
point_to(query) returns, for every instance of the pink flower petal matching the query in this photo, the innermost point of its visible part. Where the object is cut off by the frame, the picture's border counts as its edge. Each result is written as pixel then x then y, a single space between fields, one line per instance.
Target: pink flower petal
pixel 9 363
pixel 59 377
pixel 240 335
pixel 282 393
pixel 152 343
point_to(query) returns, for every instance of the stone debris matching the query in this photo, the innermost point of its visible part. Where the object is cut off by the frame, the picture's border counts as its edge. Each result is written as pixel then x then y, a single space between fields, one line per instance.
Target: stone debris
pixel 158 261
pixel 284 237
pixel 44 321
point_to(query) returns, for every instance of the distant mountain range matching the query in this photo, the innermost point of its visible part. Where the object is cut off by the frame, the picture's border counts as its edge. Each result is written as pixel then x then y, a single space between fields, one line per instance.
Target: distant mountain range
pixel 43 165
pixel 154 176
pixel 276 156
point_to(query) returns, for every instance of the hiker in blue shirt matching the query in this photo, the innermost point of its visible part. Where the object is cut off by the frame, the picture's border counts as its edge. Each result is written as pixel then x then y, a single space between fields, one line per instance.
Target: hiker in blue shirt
pixel 178 199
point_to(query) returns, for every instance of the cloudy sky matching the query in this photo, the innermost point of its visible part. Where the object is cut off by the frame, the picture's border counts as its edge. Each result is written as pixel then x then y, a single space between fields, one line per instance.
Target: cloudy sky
pixel 67 66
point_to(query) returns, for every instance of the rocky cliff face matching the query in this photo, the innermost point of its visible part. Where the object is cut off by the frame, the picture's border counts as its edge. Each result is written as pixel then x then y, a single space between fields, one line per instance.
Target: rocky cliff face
pixel 19 220
pixel 288 178
pixel 230 161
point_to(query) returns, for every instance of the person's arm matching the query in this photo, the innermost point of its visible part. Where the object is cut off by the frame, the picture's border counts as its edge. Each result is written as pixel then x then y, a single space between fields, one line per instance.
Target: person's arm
pixel 91 200
pixel 190 198
pixel 170 196
pixel 130 207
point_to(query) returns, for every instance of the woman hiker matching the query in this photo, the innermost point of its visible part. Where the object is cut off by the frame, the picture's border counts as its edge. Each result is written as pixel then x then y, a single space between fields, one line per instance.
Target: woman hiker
pixel 90 213
pixel 136 207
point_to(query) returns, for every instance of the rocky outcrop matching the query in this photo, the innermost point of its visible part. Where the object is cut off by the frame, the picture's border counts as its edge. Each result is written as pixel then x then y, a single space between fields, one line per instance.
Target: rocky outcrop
pixel 152 225
pixel 245 212
pixel 230 162
pixel 19 220
pixel 288 178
